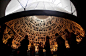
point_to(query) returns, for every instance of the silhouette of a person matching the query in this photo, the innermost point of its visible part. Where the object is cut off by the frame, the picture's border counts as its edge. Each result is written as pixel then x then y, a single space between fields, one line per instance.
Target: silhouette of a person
pixel 40 50
pixel 8 47
pixel 47 47
pixel 71 37
pixel 32 50
pixel 24 46
pixel 61 45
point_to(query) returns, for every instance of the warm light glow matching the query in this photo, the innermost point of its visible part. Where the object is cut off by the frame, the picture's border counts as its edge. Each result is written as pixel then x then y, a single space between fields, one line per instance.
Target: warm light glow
pixel 56 45
pixel 44 50
pixel 78 40
pixel 38 29
pixel 36 48
pixel 66 44
pixel 42 17
pixel 14 46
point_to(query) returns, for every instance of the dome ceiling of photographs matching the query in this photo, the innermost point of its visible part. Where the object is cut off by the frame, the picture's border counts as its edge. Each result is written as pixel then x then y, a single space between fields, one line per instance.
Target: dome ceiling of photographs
pixel 55 5
pixel 38 27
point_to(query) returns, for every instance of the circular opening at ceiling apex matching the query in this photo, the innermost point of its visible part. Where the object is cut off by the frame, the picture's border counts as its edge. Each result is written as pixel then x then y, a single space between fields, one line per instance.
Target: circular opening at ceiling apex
pixel 42 17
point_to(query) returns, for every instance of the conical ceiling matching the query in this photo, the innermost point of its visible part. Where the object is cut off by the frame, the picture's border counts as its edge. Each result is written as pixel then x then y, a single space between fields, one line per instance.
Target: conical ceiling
pixel 37 28
pixel 55 5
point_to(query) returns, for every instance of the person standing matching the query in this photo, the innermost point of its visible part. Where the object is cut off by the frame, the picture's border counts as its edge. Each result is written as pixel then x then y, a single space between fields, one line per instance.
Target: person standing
pixel 40 50
pixel 71 37
pixel 47 47
pixel 32 50
pixel 24 47
pixel 61 45
pixel 9 49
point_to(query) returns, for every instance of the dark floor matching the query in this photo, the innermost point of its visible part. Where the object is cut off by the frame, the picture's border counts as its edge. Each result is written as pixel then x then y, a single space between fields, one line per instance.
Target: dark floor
pixel 36 54
pixel 28 54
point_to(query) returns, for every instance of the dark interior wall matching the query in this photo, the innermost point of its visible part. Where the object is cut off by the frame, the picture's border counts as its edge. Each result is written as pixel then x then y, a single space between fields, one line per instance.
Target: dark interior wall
pixel 80 6
pixel 3 5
